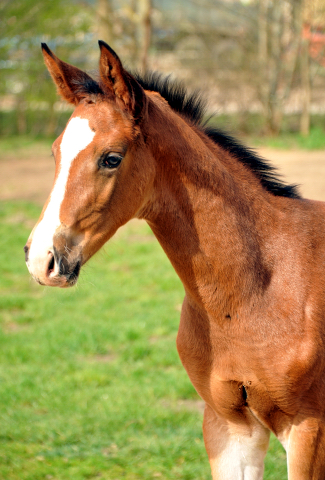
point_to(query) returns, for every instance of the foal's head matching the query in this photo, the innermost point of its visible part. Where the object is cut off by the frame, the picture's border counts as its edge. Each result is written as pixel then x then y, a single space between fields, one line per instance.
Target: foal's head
pixel 102 168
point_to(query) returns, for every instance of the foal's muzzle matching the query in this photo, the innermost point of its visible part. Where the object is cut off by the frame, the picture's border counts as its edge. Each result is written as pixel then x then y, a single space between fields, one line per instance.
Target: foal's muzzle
pixel 58 266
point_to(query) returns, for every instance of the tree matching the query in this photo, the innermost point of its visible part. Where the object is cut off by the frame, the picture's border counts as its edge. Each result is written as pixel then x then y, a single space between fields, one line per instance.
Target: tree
pixel 312 51
pixel 105 21
pixel 279 40
pixel 127 25
pixel 24 25
pixel 144 32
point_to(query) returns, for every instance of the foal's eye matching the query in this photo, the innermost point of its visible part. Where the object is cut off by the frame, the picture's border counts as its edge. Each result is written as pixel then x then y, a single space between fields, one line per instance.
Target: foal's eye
pixel 110 160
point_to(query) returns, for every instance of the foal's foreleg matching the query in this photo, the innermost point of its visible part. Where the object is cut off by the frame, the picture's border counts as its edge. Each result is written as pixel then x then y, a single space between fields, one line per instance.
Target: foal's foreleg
pixel 236 450
pixel 306 450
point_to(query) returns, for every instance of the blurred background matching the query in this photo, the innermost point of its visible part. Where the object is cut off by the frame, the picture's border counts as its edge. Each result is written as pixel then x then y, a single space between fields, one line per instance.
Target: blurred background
pixel 262 62
pixel 91 385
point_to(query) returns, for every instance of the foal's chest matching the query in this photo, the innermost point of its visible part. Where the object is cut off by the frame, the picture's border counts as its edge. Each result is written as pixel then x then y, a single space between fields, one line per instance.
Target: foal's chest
pixel 234 369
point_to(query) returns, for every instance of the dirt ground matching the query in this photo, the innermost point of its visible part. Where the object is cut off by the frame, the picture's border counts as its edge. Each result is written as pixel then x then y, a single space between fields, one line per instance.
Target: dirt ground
pixel 26 178
pixel 303 168
pixel 31 178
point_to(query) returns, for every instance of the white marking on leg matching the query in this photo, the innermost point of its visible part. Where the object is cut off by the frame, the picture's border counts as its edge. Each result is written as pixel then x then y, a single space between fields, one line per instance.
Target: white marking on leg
pixel 236 450
pixel 242 458
pixel 77 136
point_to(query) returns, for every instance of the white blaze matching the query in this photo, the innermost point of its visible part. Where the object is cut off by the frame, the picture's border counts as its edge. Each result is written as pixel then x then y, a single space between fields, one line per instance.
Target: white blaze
pixel 76 137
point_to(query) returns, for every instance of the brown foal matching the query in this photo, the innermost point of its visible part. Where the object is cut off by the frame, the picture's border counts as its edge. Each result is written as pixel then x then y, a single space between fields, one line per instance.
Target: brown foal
pixel 249 251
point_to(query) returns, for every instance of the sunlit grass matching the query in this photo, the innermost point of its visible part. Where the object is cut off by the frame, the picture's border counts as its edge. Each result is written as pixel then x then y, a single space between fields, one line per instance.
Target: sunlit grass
pixel 24 146
pixel 91 385
pixel 286 141
pixel 250 128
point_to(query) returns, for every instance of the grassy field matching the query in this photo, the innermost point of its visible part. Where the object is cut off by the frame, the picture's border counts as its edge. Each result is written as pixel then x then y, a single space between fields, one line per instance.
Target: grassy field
pixel 90 381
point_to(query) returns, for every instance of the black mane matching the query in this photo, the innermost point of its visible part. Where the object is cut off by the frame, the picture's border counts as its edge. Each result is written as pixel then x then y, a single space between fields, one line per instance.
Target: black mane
pixel 192 106
pixel 87 86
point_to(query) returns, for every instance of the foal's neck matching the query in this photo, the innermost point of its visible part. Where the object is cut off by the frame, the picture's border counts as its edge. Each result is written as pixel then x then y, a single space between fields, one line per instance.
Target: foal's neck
pixel 204 213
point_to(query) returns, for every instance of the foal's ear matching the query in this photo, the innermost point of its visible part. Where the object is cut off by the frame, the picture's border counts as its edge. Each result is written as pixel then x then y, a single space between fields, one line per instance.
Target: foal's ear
pixel 67 78
pixel 119 83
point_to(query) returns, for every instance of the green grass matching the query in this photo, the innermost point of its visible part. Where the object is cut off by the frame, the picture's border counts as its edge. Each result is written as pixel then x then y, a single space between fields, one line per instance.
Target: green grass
pixel 251 128
pixel 287 140
pixel 91 385
pixel 24 146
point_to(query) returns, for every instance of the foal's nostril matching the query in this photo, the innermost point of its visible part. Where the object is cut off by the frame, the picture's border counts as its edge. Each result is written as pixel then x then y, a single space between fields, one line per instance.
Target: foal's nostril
pixel 26 250
pixel 76 270
pixel 51 265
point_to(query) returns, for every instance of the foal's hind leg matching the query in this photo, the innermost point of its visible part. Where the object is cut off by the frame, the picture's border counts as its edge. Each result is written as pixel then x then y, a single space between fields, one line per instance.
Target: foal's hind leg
pixel 306 450
pixel 236 450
